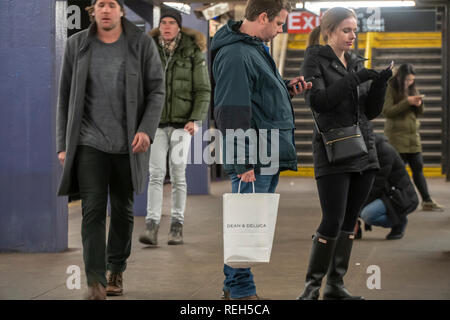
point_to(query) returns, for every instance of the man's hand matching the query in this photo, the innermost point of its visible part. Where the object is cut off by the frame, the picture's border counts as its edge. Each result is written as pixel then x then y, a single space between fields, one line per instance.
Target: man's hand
pixel 141 142
pixel 191 127
pixel 62 157
pixel 298 86
pixel 415 100
pixel 248 176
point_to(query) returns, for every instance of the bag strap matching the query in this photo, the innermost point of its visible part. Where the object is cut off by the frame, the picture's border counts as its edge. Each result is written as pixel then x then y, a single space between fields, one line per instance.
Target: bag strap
pixel 357 113
pixel 315 121
pixel 239 189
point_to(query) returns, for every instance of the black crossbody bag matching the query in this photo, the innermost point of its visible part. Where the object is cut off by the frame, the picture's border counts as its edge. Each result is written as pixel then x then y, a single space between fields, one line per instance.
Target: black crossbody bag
pixel 343 143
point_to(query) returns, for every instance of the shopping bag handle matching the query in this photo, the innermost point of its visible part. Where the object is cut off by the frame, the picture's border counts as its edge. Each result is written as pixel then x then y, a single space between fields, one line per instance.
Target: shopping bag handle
pixel 253 185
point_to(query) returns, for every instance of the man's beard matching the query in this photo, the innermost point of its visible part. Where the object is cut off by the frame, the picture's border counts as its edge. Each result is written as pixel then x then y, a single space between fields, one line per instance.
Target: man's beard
pixel 111 27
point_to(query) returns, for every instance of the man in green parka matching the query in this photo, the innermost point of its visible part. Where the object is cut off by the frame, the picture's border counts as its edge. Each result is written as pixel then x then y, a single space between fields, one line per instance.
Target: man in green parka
pixel 187 101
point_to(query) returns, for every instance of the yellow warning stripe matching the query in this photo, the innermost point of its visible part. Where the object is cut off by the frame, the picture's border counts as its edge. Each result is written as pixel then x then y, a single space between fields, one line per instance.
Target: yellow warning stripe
pixel 429 172
pixel 383 40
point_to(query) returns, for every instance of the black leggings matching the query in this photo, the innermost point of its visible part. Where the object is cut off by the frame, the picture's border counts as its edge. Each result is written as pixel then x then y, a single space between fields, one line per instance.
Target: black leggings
pixel 415 161
pixel 341 198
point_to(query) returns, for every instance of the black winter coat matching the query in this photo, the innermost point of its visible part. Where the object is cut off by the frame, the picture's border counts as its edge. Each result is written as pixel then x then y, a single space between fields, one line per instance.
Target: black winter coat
pixel 334 99
pixel 392 174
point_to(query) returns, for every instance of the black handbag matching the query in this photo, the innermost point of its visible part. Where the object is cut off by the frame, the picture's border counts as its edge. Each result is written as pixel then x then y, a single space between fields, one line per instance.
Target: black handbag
pixel 401 202
pixel 343 143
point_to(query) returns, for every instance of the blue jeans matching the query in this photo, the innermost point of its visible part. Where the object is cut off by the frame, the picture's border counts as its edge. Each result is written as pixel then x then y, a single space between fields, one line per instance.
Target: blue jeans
pixel 375 214
pixel 239 281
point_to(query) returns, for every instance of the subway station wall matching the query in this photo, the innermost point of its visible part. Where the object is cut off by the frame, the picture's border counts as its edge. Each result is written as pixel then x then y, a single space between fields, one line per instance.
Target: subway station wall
pixel 32 218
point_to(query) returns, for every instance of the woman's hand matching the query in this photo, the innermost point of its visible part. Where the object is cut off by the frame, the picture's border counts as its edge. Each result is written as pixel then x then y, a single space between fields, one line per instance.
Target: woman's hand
pixel 385 75
pixel 415 100
pixel 364 75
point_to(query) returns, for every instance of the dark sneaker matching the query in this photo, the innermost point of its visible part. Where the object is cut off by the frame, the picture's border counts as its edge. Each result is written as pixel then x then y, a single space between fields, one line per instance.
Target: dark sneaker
pixel 150 236
pixel 96 292
pixel 397 232
pixel 115 284
pixel 175 234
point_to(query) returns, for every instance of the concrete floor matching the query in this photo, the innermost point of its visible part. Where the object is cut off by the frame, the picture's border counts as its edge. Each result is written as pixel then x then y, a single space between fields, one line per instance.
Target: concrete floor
pixel 415 267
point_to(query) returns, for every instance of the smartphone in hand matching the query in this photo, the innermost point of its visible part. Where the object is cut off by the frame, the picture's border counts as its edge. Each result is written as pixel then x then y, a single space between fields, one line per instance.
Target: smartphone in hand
pixel 297 84
pixel 390 66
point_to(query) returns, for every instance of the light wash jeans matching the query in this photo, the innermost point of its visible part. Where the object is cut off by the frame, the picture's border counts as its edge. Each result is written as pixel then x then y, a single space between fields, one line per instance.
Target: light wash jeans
pixel 177 143
pixel 375 214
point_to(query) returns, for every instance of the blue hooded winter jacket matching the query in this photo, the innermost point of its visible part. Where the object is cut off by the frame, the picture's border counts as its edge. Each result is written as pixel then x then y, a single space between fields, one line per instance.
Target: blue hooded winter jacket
pixel 249 93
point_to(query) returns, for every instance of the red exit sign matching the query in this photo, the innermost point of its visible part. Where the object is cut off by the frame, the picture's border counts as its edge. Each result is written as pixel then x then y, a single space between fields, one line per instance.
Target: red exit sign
pixel 302 22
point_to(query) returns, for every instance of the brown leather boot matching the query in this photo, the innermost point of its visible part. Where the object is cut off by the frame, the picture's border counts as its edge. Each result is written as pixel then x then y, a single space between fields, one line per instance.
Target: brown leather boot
pixel 175 234
pixel 225 295
pixel 115 284
pixel 96 292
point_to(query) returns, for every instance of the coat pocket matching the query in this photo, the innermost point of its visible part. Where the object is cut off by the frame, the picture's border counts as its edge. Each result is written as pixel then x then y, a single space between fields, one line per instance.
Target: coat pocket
pixel 182 104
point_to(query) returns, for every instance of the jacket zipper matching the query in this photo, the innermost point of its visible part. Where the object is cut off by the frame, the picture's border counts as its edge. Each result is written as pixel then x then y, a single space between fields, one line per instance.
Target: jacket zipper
pixel 166 67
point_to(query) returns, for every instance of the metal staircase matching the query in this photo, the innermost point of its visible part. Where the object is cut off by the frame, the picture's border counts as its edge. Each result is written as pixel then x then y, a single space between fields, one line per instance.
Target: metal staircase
pixel 427 62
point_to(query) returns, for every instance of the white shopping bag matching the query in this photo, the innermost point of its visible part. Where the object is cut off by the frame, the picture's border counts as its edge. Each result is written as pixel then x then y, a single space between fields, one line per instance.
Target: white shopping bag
pixel 249 221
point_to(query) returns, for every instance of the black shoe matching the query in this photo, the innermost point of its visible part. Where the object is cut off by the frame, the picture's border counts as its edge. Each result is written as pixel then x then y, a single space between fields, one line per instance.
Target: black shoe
pixel 367 227
pixel 398 231
pixel 321 253
pixel 359 231
pixel 338 292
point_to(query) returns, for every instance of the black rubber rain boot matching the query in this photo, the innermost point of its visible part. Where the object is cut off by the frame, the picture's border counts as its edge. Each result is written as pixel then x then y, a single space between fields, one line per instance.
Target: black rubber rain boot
pixel 335 289
pixel 321 253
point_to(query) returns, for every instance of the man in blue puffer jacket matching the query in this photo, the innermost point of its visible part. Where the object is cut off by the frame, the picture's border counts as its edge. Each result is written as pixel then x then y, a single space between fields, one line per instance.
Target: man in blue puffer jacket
pixel 250 96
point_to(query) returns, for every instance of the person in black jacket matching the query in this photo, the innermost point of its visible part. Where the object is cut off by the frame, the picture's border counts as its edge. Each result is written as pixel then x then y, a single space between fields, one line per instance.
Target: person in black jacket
pixel 393 195
pixel 343 94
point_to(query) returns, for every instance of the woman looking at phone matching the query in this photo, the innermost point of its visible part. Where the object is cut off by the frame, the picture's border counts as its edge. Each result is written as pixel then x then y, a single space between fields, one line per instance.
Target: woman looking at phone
pixel 402 106
pixel 344 95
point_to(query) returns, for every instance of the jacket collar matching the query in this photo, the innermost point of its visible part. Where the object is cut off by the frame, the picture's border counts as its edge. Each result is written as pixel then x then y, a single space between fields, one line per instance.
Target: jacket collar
pixel 197 36
pixel 352 59
pixel 129 29
pixel 235 27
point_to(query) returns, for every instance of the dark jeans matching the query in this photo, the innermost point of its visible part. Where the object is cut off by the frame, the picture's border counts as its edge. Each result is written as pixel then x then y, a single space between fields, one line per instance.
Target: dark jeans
pixel 100 173
pixel 341 198
pixel 239 281
pixel 415 161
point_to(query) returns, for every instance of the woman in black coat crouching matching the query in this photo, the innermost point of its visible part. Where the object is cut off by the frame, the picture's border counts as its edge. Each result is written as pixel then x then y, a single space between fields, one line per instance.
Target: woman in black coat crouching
pixel 393 195
pixel 344 94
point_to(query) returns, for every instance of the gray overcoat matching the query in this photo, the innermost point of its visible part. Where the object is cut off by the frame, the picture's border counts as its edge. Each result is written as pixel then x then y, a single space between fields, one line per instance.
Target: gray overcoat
pixel 144 99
